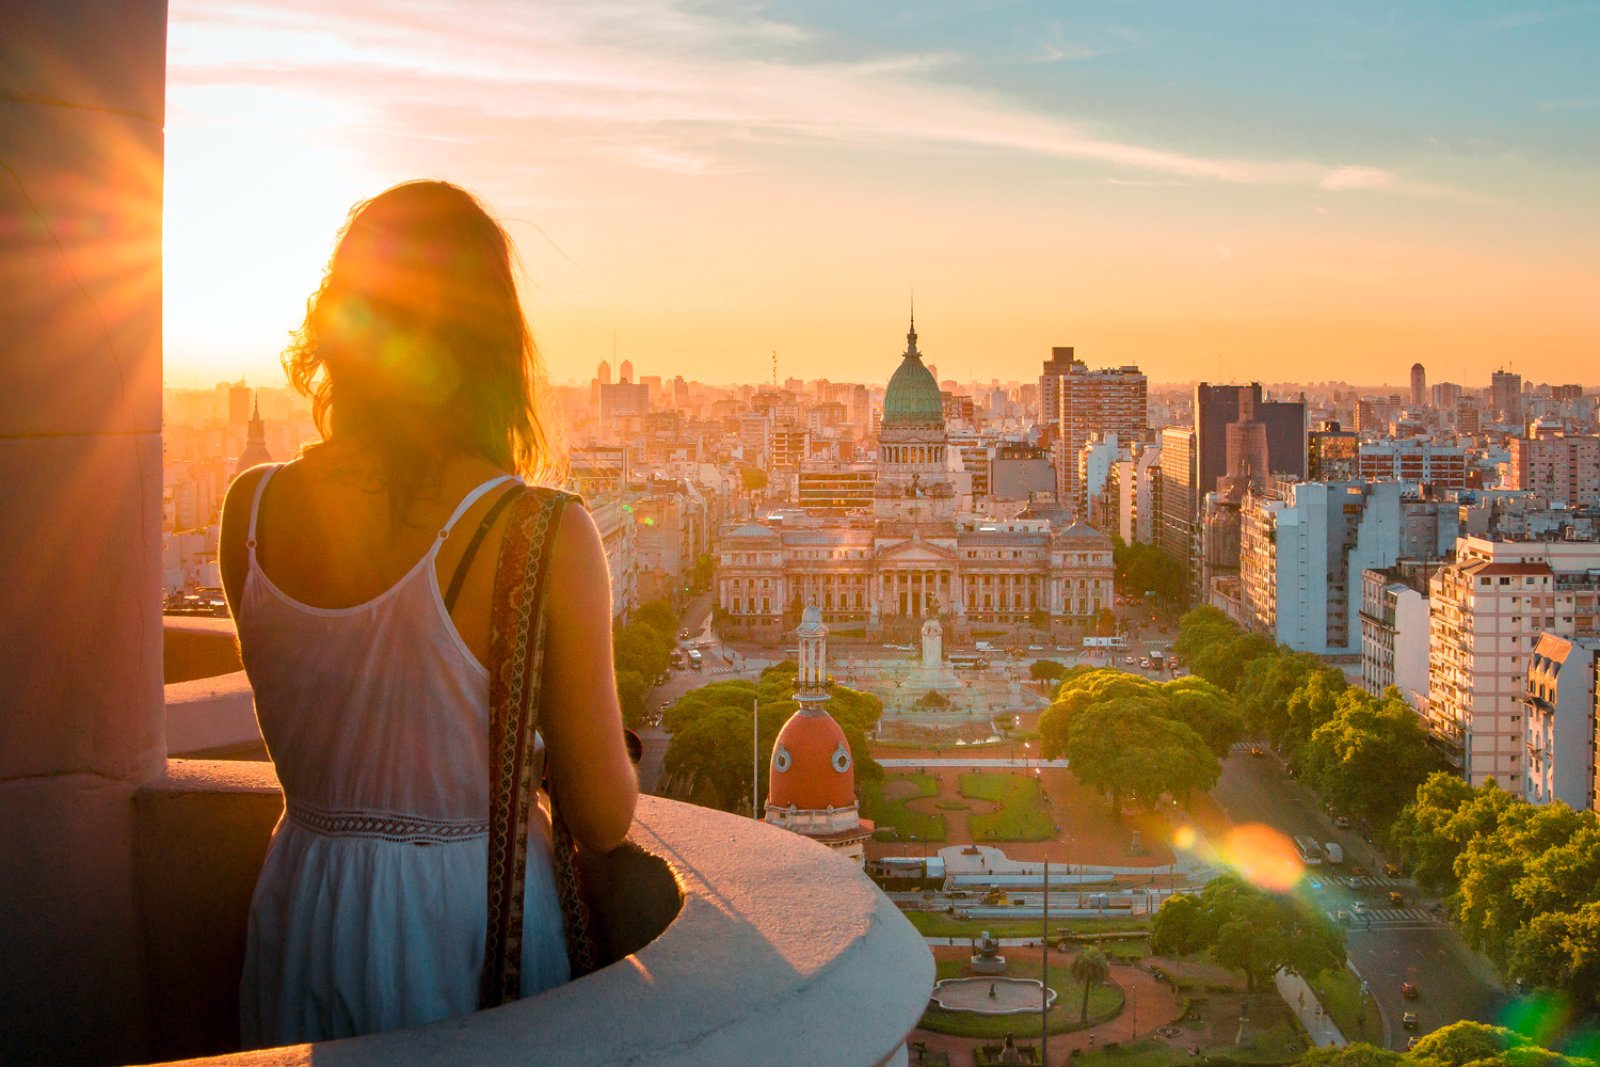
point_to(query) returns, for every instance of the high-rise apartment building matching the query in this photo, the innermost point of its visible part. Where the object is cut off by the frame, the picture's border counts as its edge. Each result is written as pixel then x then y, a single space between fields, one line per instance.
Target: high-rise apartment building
pixel 1178 505
pixel 1505 397
pixel 1486 612
pixel 1560 469
pixel 1060 362
pixel 1415 461
pixel 1446 395
pixel 1419 386
pixel 1303 549
pixel 1110 401
pixel 625 372
pixel 602 373
pixel 1560 705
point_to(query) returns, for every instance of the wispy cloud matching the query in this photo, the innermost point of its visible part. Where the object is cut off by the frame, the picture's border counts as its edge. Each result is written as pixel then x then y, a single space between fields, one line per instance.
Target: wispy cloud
pixel 665 86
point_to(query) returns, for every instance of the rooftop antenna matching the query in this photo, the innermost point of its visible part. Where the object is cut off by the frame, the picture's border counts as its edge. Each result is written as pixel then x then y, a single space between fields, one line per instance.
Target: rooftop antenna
pixel 774 368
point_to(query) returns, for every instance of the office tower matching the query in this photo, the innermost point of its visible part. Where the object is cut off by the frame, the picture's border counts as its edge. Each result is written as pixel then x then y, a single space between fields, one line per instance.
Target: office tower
pixel 602 373
pixel 1332 454
pixel 1178 509
pixel 1218 406
pixel 1059 363
pixel 1112 401
pixel 1419 386
pixel 625 372
pixel 1446 395
pixel 1505 397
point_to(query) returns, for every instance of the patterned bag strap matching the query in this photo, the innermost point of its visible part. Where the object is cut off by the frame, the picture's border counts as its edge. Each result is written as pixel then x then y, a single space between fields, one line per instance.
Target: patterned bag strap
pixel 516 660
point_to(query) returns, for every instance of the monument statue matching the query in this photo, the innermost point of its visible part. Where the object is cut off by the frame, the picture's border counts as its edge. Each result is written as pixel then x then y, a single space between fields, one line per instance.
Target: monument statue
pixel 932 645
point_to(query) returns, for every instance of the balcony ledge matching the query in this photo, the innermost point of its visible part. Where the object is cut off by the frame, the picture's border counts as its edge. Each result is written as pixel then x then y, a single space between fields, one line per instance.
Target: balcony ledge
pixel 780 951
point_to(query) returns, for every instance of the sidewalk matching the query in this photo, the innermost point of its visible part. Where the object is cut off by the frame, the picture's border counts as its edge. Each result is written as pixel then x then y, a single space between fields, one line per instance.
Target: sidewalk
pixel 1304 1003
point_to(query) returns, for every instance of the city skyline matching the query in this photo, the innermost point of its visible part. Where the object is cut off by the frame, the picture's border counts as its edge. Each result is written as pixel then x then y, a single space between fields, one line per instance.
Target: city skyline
pixel 710 184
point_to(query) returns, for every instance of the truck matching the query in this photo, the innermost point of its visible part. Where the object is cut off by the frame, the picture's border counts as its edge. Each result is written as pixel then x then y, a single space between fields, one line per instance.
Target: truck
pixel 1334 852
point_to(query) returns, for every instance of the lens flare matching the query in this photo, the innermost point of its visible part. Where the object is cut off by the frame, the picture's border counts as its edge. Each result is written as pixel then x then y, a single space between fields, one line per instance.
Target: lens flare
pixel 1543 1017
pixel 1184 839
pixel 1263 856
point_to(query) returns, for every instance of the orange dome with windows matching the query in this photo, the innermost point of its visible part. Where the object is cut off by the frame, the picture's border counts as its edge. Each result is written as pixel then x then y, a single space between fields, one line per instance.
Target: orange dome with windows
pixel 811 765
pixel 812 788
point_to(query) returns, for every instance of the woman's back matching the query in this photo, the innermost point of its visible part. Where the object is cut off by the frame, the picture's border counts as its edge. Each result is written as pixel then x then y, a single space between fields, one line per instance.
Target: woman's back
pixel 369 699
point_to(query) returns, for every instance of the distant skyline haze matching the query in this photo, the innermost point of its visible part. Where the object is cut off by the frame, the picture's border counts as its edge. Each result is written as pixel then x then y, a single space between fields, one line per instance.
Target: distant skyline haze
pixel 1211 191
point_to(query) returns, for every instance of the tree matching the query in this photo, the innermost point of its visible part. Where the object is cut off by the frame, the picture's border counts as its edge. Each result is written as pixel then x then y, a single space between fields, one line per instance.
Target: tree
pixel 1222 662
pixel 1202 627
pixel 1465 1042
pixel 1266 685
pixel 659 616
pixel 1205 709
pixel 1436 827
pixel 1090 968
pixel 1370 758
pixel 642 648
pixel 1494 866
pixel 1356 1055
pixel 1124 745
pixel 1046 670
pixel 1561 950
pixel 1179 927
pixel 632 689
pixel 1308 707
pixel 1260 933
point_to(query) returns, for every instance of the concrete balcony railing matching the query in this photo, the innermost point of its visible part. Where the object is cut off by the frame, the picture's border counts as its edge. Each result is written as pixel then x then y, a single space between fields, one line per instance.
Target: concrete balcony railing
pixel 210 710
pixel 734 941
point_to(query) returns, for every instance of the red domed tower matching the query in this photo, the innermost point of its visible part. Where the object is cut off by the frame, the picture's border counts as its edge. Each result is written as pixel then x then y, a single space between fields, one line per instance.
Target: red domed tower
pixel 813 780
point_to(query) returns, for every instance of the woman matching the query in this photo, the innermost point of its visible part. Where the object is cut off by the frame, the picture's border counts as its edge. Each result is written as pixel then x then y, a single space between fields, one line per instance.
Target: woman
pixel 371 910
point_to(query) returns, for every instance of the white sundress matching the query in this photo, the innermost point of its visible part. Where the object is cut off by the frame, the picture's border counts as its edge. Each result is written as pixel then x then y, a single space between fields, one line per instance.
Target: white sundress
pixel 371 910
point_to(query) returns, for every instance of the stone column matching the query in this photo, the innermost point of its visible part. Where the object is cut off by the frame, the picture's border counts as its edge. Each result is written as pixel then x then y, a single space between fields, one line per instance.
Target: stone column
pixel 82 95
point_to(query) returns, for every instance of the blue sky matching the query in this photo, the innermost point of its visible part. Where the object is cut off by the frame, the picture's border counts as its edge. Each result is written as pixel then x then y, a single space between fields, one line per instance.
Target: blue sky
pixel 1180 185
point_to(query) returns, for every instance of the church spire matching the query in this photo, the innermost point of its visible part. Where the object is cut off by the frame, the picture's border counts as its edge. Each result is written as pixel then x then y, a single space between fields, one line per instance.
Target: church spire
pixel 911 335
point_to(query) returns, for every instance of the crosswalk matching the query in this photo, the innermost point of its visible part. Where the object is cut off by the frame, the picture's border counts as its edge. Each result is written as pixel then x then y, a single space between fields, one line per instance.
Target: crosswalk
pixel 1367 880
pixel 1385 916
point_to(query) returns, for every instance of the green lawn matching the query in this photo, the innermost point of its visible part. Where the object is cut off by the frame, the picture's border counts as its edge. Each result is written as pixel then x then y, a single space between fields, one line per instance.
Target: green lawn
pixel 1105 1002
pixel 1340 993
pixel 940 924
pixel 893 814
pixel 1023 814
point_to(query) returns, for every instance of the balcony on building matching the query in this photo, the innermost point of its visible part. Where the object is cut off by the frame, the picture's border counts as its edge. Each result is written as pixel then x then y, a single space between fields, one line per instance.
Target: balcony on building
pixel 132 831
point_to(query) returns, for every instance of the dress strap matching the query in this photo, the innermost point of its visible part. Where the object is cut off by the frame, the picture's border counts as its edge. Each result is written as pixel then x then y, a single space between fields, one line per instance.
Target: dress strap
pixel 470 499
pixel 255 509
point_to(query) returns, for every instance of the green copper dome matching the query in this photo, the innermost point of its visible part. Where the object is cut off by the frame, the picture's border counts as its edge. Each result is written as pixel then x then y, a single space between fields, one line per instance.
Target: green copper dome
pixel 912 398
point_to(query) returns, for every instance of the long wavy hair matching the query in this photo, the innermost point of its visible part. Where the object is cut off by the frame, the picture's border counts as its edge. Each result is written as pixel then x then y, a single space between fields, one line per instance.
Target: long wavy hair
pixel 415 348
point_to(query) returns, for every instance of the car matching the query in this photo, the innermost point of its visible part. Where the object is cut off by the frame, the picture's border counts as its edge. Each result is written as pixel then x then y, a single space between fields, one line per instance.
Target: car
pixel 1129 660
pixel 1359 908
pixel 1341 916
pixel 1341 822
pixel 1257 751
pixel 1392 870
pixel 1411 1042
pixel 1409 1020
pixel 1408 990
pixel 1144 663
pixel 1396 898
pixel 683 635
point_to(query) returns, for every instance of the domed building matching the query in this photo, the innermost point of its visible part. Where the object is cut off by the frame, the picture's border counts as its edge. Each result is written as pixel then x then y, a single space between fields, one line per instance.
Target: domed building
pixel 812 788
pixel 921 552
pixel 913 449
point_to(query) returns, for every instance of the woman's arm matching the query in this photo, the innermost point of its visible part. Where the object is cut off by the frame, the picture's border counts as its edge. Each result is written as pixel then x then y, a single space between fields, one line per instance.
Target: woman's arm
pixel 580 718
pixel 232 557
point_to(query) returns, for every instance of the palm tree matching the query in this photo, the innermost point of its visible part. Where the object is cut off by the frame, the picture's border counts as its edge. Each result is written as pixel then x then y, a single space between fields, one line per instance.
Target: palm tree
pixel 1091 968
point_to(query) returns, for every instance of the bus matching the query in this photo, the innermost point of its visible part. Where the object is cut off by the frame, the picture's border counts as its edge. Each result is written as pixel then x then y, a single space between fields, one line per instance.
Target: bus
pixel 696 661
pixel 1311 853
pixel 966 661
pixel 1104 642
pixel 1158 660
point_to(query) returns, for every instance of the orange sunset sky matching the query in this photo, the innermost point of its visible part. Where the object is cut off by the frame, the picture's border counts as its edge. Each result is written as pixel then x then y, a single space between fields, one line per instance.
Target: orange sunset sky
pixel 1209 190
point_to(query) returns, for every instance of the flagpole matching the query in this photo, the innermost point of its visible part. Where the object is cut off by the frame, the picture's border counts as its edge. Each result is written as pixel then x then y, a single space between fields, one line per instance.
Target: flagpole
pixel 755 758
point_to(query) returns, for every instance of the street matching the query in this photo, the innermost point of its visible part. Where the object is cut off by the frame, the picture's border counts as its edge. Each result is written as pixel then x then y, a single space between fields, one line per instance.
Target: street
pixel 1387 944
